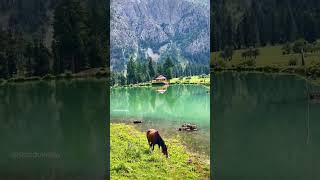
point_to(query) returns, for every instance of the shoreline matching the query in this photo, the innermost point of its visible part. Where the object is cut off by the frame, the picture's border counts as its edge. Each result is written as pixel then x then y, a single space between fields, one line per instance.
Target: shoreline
pixel 97 73
pixel 295 71
pixel 185 80
pixel 135 147
pixel 204 155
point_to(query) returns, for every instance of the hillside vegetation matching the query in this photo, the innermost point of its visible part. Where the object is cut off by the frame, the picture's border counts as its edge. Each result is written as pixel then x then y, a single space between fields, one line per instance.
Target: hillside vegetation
pixel 41 37
pixel 246 23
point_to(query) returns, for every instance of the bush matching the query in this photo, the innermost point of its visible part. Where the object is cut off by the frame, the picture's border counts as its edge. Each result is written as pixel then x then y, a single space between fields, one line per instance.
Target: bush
pixel 68 75
pixel 252 53
pixel 203 76
pixel 286 49
pixel 249 62
pixel 299 45
pixel 220 64
pixel 293 62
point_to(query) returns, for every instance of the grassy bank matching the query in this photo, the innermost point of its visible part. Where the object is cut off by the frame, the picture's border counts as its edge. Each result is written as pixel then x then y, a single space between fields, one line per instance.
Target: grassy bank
pixel 94 73
pixel 271 60
pixel 270 56
pixel 131 158
pixel 200 79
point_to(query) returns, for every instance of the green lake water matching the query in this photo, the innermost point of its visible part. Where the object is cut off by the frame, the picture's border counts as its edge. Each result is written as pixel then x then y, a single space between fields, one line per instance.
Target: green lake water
pixel 53 130
pixel 166 109
pixel 264 128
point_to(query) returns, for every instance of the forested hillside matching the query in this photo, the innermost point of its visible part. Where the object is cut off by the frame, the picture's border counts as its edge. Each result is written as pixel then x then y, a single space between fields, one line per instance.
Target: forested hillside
pixel 38 37
pixel 246 23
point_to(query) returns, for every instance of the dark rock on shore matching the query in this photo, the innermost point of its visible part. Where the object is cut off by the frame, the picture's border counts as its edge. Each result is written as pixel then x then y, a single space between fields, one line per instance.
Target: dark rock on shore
pixel 137 122
pixel 188 127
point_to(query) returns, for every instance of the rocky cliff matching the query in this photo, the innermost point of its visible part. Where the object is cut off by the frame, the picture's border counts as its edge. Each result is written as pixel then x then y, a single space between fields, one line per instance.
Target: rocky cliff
pixel 178 29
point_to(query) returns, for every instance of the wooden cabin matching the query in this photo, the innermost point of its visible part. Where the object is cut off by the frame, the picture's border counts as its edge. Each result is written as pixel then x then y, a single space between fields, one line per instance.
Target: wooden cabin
pixel 160 80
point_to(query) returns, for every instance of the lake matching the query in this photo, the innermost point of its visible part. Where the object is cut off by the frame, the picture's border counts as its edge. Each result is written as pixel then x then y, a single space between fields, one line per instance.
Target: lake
pixel 166 109
pixel 264 127
pixel 53 130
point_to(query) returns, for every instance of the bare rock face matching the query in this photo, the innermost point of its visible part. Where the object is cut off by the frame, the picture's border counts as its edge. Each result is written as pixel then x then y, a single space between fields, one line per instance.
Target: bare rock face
pixel 159 28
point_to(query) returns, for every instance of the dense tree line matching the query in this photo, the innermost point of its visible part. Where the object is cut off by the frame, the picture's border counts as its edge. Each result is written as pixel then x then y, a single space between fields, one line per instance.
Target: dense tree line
pixel 80 38
pixel 143 71
pixel 80 35
pixel 250 23
pixel 19 57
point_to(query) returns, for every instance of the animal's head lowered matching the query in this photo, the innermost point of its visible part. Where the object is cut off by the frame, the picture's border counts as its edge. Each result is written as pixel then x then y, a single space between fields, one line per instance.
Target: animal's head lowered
pixel 165 150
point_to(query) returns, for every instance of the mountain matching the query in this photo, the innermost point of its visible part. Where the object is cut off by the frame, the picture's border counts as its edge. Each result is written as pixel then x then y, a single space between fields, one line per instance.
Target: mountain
pixel 178 29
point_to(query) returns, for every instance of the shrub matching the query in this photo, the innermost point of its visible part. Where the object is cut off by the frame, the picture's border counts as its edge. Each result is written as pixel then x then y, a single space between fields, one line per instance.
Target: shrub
pixel 249 62
pixel 227 53
pixel 220 64
pixel 299 45
pixel 68 75
pixel 286 48
pixel 293 62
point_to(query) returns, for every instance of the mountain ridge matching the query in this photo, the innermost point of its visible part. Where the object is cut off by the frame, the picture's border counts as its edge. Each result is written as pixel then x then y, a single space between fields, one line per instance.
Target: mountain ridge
pixel 178 29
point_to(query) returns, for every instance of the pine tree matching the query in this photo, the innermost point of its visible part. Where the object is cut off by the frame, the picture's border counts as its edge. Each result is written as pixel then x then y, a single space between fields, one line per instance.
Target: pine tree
pixel 159 69
pixel 97 33
pixel 151 68
pixel 131 71
pixel 29 58
pixel 168 68
pixel 41 59
pixel 70 31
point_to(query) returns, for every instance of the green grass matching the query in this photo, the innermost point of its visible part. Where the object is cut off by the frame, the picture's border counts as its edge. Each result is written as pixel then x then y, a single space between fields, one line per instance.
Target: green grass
pixel 271 60
pixel 203 79
pixel 270 56
pixel 200 79
pixel 131 158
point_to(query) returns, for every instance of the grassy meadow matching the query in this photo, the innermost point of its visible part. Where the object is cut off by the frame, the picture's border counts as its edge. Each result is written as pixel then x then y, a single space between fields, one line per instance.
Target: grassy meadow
pixel 270 56
pixel 272 60
pixel 202 79
pixel 131 158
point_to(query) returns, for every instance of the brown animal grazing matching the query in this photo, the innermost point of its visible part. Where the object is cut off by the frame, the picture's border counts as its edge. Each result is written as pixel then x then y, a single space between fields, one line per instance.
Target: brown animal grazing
pixel 154 138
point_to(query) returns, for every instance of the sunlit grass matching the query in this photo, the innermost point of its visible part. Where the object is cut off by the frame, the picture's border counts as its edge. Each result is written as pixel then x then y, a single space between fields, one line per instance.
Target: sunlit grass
pixel 202 79
pixel 131 158
pixel 270 56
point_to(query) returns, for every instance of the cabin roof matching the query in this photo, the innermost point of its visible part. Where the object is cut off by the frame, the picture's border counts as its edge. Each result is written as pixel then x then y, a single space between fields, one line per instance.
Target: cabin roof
pixel 161 77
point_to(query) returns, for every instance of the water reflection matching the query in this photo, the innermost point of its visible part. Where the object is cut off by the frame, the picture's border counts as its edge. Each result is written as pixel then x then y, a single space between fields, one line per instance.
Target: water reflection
pixel 52 130
pixel 264 128
pixel 161 89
